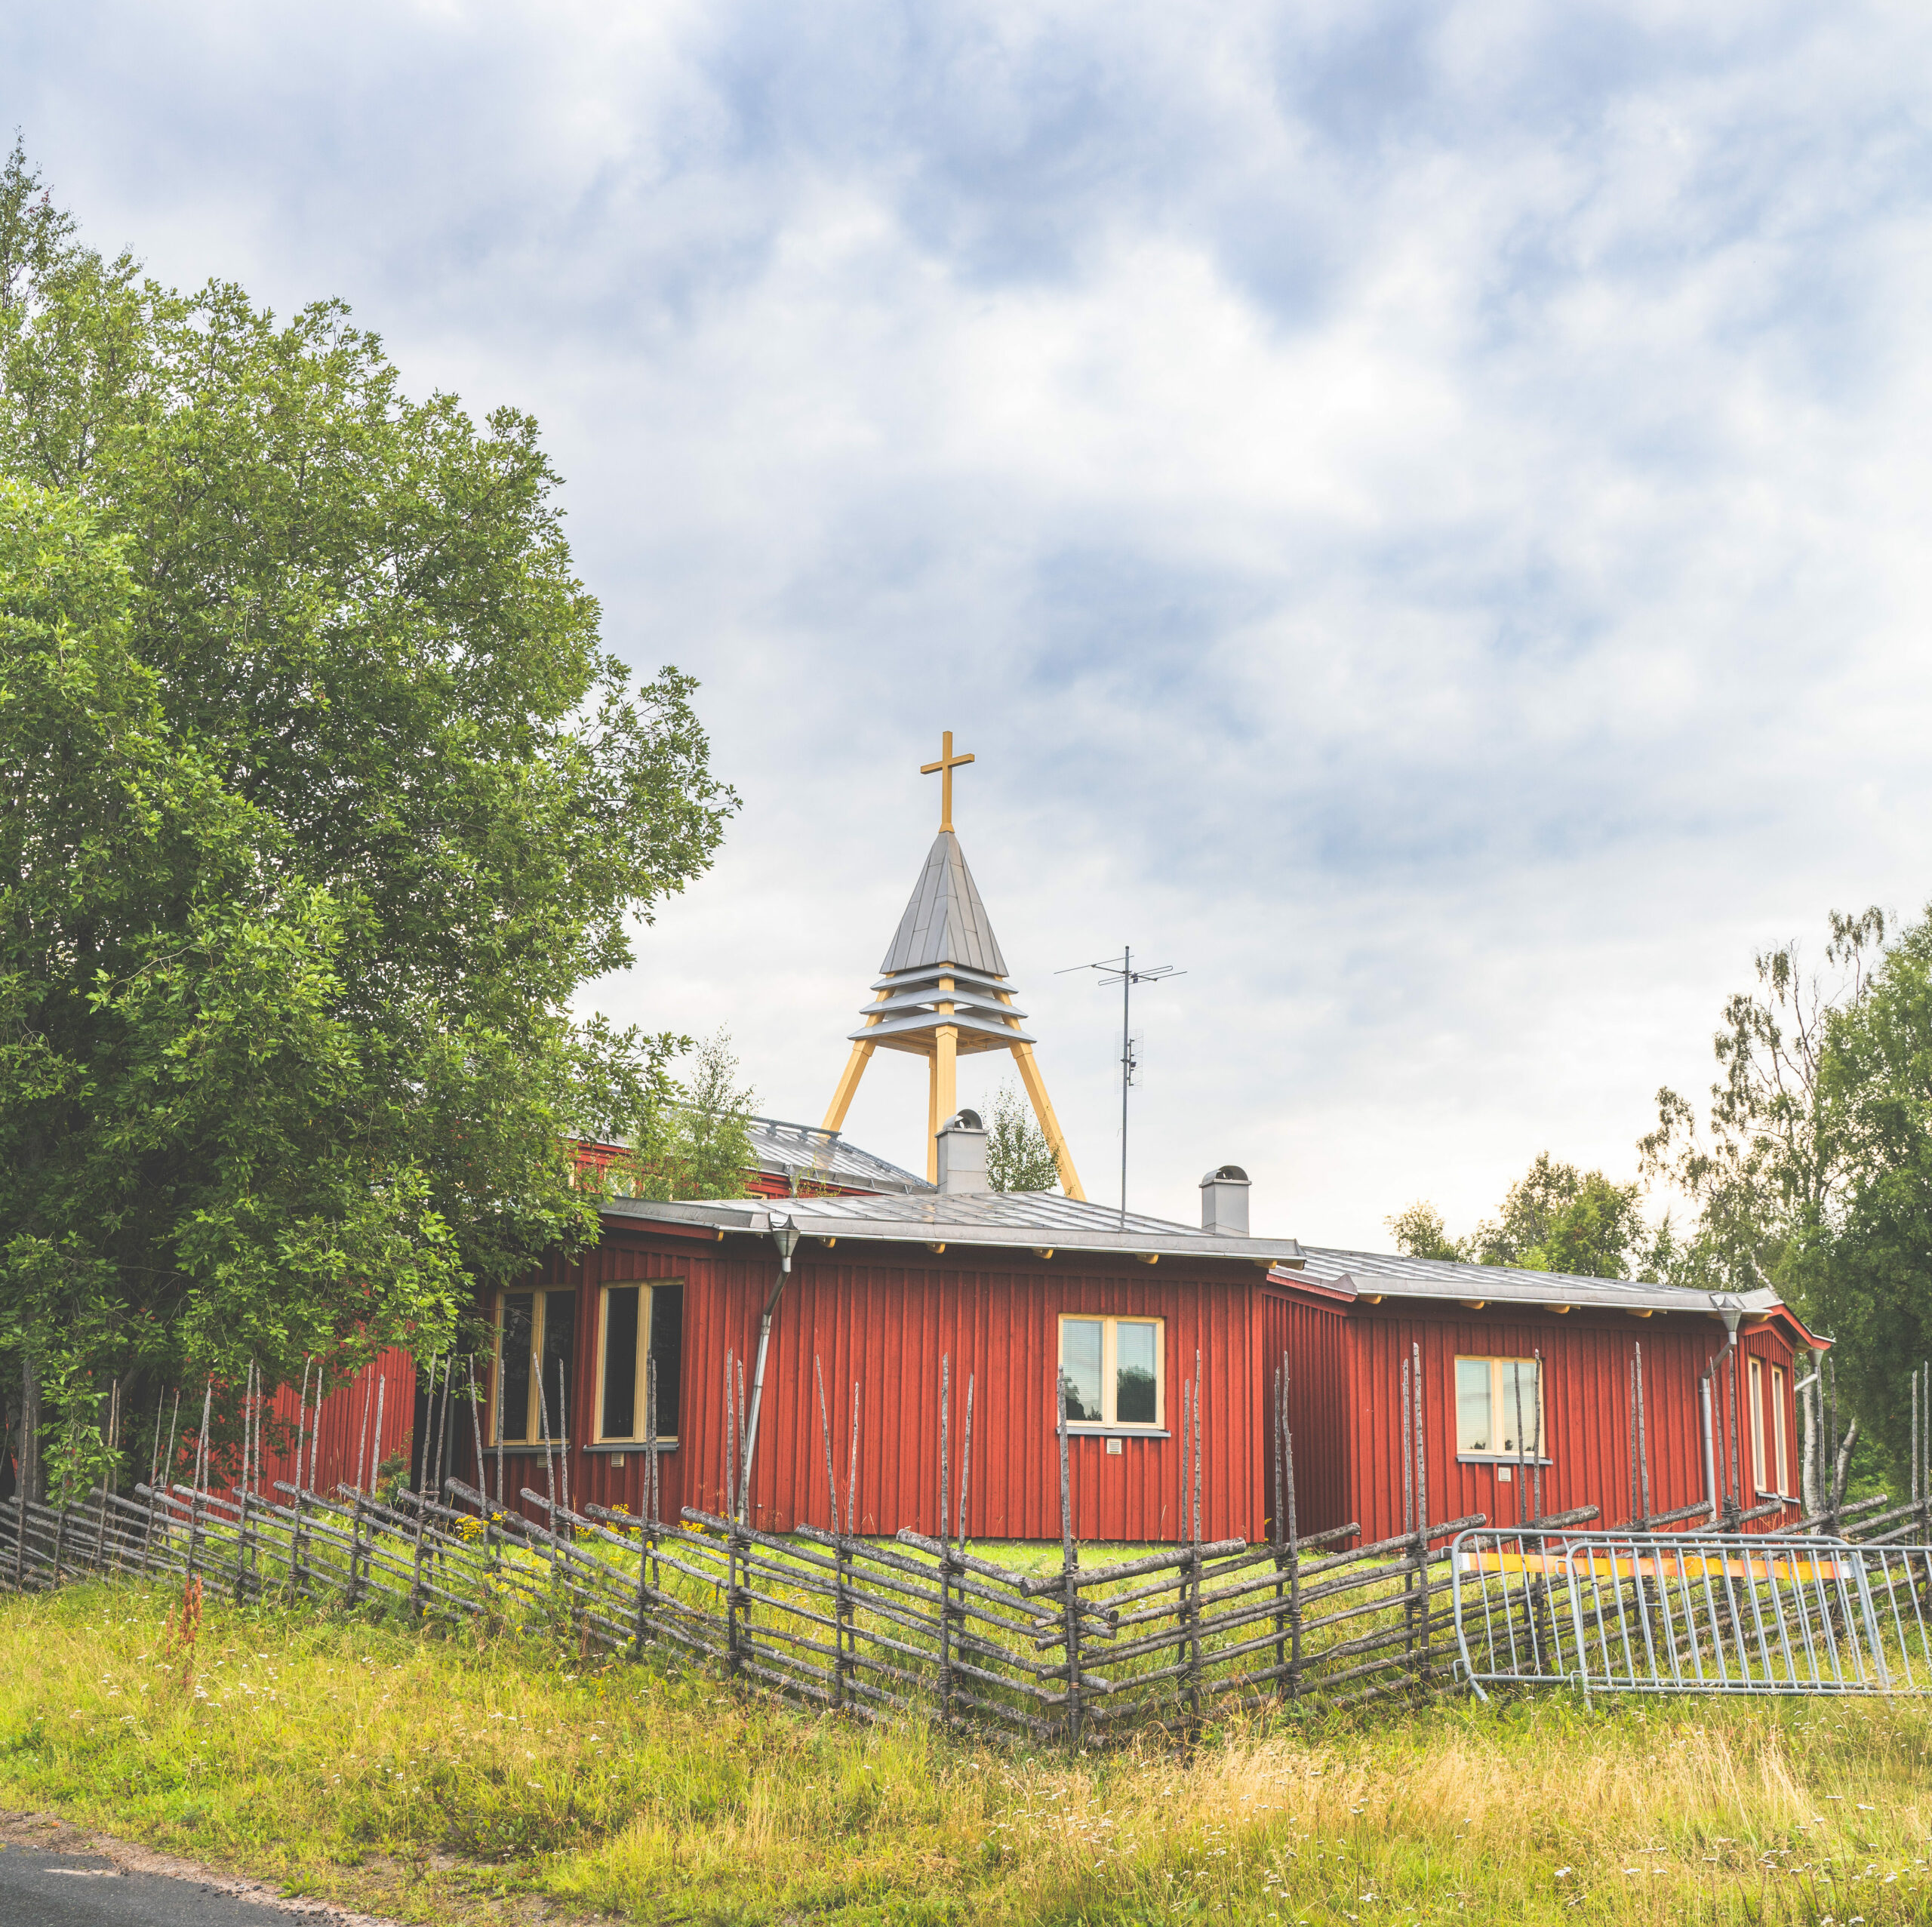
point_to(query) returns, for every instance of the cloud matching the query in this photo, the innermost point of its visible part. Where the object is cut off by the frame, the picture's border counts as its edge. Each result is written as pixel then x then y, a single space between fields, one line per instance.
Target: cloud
pixel 1417 508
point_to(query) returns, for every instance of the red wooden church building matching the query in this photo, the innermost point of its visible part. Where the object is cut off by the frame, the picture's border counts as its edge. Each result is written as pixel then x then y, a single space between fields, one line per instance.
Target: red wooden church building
pixel 843 1283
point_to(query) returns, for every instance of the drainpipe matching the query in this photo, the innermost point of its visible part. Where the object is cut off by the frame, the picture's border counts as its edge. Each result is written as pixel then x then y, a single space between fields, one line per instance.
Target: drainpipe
pixel 785 1236
pixel 1730 1309
pixel 1710 1449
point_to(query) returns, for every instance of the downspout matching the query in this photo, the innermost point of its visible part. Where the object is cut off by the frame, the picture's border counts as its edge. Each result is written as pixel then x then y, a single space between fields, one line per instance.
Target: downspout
pixel 1710 1450
pixel 1730 1310
pixel 785 1236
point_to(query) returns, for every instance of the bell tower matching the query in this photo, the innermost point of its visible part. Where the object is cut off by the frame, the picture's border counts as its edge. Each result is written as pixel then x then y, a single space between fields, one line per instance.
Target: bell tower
pixel 942 992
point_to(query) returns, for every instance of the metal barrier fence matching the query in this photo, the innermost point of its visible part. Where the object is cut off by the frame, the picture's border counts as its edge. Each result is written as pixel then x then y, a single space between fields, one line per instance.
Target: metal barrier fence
pixel 1693 1612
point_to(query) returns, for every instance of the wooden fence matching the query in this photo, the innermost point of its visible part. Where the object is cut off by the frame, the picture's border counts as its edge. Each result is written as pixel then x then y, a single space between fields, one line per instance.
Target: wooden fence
pixel 1035 1642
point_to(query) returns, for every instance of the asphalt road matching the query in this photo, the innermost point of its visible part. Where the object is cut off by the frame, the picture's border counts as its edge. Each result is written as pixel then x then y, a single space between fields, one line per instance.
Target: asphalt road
pixel 43 1887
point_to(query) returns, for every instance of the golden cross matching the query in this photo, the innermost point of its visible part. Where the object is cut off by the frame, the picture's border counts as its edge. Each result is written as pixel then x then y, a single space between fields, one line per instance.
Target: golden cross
pixel 948 762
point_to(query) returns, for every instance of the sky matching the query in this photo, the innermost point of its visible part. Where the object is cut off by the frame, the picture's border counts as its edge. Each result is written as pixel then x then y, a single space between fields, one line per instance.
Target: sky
pixel 1419 511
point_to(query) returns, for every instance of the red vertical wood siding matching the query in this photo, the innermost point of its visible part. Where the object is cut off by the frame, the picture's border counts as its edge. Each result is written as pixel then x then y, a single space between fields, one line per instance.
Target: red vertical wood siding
pixel 1316 1341
pixel 348 1419
pixel 885 1317
pixel 1586 1369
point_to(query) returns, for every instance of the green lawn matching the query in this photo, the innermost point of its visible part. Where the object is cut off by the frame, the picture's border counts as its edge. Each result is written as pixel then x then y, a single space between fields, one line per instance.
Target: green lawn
pixel 441 1777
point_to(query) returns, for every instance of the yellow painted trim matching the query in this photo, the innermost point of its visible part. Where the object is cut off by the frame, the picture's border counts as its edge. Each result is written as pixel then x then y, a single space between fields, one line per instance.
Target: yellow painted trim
pixel 1043 1110
pixel 1149 1257
pixel 948 762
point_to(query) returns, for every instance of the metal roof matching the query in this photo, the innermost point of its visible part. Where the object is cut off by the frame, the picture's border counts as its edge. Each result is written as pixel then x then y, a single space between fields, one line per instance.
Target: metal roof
pixel 814 1156
pixel 1032 1220
pixel 1363 1273
pixel 945 921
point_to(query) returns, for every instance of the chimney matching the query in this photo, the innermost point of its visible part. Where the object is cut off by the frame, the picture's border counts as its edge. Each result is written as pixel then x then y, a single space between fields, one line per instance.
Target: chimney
pixel 1223 1200
pixel 962 1153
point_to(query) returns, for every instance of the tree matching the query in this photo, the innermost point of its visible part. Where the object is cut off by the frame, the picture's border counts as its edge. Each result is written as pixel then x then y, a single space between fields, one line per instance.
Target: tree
pixel 702 1148
pixel 323 801
pixel 1555 1218
pixel 1765 1172
pixel 1420 1233
pixel 1018 1156
pixel 1863 1254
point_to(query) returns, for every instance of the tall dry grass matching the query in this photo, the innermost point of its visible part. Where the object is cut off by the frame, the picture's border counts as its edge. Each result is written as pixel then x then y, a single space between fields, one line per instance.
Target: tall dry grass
pixel 448 1777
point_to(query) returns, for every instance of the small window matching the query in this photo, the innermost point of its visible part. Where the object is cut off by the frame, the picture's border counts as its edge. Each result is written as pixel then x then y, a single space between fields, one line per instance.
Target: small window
pixel 1492 1397
pixel 536 1333
pixel 1781 1464
pixel 1761 1470
pixel 1113 1372
pixel 641 1324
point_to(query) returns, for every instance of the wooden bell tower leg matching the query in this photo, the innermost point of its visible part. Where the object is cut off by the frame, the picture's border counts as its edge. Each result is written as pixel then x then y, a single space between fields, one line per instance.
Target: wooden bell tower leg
pixel 933 1115
pixel 848 1086
pixel 945 1064
pixel 1043 1110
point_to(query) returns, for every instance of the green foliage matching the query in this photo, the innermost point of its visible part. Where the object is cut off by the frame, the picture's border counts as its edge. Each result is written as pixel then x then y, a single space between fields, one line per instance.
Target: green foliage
pixel 1767 1169
pixel 1018 1156
pixel 1555 1218
pixel 1558 1218
pixel 323 801
pixel 701 1146
pixel 1419 1232
pixel 1866 1265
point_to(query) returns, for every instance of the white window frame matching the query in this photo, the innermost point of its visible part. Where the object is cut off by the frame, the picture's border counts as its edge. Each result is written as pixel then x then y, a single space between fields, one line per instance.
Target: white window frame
pixel 1541 1455
pixel 646 1289
pixel 532 1440
pixel 1109 1322
pixel 1781 1462
pixel 1758 1466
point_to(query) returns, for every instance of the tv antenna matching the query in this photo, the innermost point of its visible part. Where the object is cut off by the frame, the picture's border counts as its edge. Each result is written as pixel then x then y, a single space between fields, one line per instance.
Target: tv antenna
pixel 1120 970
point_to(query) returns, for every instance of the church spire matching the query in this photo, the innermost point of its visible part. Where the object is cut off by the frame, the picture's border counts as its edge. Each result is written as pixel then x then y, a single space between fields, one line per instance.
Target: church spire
pixel 943 992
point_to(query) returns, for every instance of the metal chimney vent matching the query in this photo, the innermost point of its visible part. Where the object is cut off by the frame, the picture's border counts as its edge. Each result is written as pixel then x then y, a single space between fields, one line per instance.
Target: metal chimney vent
pixel 962 1153
pixel 1224 1200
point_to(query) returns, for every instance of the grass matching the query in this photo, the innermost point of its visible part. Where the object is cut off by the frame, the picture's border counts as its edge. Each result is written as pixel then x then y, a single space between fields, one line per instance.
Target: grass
pixel 451 1776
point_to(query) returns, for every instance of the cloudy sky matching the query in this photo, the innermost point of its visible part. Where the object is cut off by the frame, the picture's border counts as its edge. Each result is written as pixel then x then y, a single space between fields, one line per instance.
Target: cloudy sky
pixel 1419 509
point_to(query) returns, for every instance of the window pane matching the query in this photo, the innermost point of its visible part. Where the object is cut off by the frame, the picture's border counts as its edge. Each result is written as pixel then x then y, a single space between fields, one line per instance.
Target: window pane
pixel 621 1362
pixel 1516 1381
pixel 1134 1380
pixel 1472 1418
pixel 513 1379
pixel 667 1353
pixel 559 1332
pixel 1781 1466
pixel 1080 1367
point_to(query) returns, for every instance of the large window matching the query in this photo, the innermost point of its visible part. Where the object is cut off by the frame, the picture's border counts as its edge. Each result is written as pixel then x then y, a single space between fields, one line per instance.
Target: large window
pixel 640 1325
pixel 535 1334
pixel 1113 1371
pixel 1499 1409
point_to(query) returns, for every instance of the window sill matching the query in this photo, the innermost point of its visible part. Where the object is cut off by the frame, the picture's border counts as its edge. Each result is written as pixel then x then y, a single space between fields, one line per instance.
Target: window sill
pixel 1499 1458
pixel 623 1448
pixel 518 1450
pixel 1077 1431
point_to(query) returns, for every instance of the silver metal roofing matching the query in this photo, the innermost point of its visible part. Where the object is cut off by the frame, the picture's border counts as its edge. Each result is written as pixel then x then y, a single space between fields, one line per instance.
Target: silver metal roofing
pixel 814 1156
pixel 944 922
pixel 1392 1275
pixel 1014 1220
